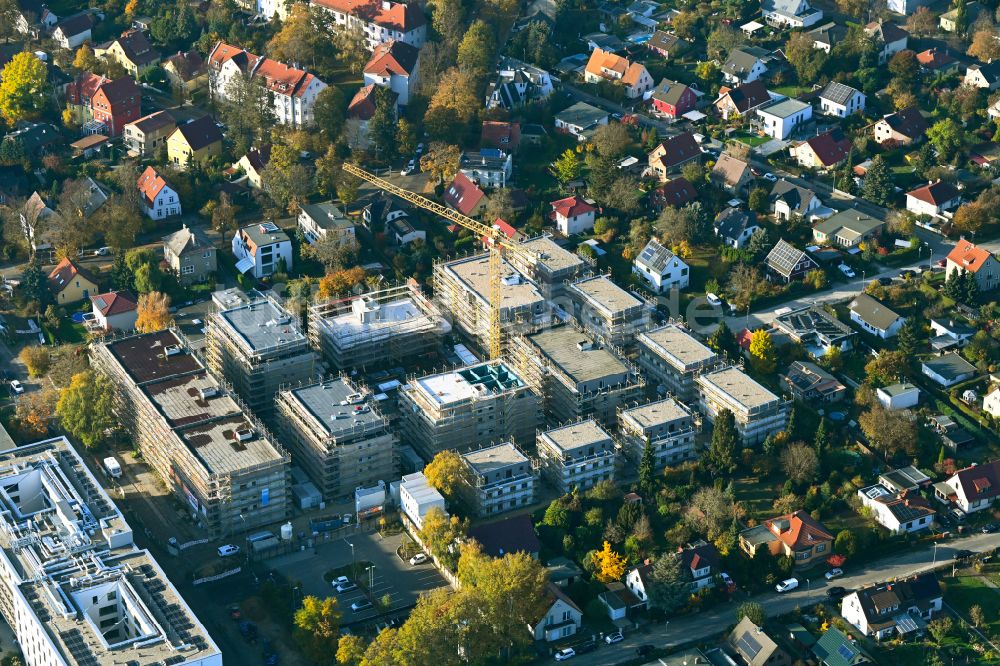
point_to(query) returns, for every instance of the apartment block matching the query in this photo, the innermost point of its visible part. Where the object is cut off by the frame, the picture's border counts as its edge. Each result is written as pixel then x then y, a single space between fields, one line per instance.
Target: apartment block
pixel 337 436
pixel 382 327
pixel 575 377
pixel 612 314
pixel 577 455
pixel 468 407
pixel 215 456
pixel 667 426
pixel 500 478
pixel 671 357
pixel 553 267
pixel 74 587
pixel 757 411
pixel 257 347
pixel 462 289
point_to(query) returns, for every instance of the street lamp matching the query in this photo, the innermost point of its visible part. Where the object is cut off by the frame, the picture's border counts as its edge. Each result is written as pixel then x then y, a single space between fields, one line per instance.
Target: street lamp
pixel 354 563
pixel 934 561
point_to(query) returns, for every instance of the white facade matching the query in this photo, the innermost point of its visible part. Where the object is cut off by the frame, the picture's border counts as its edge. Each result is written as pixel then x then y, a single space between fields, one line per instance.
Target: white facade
pixel 884 333
pixel 661 269
pixel 397 83
pixel 575 224
pixel 578 455
pixel 991 403
pixel 851 610
pixel 417 497
pixel 560 621
pixel 898 396
pixel 374 33
pixel 70 41
pixel 781 125
pixel 271 8
pixel 921 207
pixel 297 110
pixel 881 502
pixel 488 172
pixel 265 258
pixel 166 204
pixel 854 104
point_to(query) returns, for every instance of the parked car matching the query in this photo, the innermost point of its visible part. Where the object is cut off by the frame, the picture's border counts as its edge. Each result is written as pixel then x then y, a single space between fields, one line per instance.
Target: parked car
pixel 585 647
pixel 957 515
pixel 713 299
pixel 565 653
pixel 906 272
pixel 102 251
pixel 728 582
pixel 228 549
pixel 611 639
pixel 16 387
pixel 787 585
pixel 770 177
pixel 359 606
pixel 248 630
pixel 645 650
pixel 419 558
pixel 234 612
pixel 989 528
pixel 846 270
pixel 836 592
pixel 836 572
pixel 345 587
pixel 408 169
pixel 885 281
pixel 963 554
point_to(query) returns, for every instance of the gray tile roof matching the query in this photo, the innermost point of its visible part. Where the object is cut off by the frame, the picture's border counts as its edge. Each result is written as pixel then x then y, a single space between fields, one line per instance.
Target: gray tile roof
pixel 873 312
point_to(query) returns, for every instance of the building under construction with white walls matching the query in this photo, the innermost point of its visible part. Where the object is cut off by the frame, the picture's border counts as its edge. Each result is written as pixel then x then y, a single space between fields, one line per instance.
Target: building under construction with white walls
pixel 336 434
pixel 612 314
pixel 257 347
pixel 468 407
pixel 212 451
pixel 552 267
pixel 381 327
pixel 462 288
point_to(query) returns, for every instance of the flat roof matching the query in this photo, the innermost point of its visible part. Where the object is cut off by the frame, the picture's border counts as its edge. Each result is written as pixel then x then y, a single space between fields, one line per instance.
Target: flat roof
pixel 784 108
pixel 216 445
pixel 494 457
pixel 396 317
pixel 553 256
pixel 180 399
pixel 657 413
pixel 144 357
pixel 575 436
pixel 470 382
pixel 263 324
pixel 561 345
pixel 474 274
pixel 325 402
pixel 739 386
pixel 600 290
pixel 674 344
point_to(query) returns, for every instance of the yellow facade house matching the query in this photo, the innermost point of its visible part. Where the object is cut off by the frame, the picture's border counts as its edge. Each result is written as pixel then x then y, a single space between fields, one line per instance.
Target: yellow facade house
pixel 70 283
pixel 194 142
pixel 132 51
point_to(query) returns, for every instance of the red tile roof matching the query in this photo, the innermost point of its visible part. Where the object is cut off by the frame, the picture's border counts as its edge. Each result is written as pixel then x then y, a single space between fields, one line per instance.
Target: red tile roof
pixel 393 15
pixel 150 185
pixel 223 53
pixel 496 134
pixel 980 482
pixel 968 256
pixel 362 106
pixel 282 79
pixel 935 193
pixel 679 149
pixel 572 206
pixel 934 59
pixel 463 195
pixel 802 530
pixel 830 147
pixel 393 57
pixel 115 302
pixel 64 272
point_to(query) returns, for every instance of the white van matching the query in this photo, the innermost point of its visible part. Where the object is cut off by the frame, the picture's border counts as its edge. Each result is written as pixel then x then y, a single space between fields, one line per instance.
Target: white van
pixel 713 299
pixel 112 467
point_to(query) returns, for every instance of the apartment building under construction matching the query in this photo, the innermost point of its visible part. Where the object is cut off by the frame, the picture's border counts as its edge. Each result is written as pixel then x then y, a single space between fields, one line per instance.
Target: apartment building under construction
pixel 467 408
pixel 462 288
pixel 667 426
pixel 671 357
pixel 381 327
pixel 612 314
pixel 337 436
pixel 257 347
pixel 577 455
pixel 575 376
pixel 205 445
pixel 758 411
pixel 552 267
pixel 500 478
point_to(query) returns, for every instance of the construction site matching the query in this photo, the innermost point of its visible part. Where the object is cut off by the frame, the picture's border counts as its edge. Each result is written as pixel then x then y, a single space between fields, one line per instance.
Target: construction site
pixel 468 407
pixel 667 426
pixel 577 455
pixel 672 357
pixel 337 436
pixel 208 447
pixel 381 327
pixel 612 314
pixel 553 267
pixel 500 478
pixel 575 376
pixel 257 347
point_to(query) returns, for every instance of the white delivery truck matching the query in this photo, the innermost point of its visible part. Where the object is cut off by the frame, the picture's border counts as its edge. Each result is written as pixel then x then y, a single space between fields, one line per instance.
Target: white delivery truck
pixel 112 467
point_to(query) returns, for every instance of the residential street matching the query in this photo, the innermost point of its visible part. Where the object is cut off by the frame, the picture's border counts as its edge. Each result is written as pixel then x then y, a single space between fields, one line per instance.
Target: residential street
pixel 705 625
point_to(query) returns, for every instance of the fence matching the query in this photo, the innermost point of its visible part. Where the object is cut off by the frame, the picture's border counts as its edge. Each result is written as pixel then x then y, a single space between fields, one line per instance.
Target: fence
pixel 220 576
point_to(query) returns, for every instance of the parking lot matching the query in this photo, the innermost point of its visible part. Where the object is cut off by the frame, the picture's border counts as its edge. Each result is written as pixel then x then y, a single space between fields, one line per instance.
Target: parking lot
pixel 389 574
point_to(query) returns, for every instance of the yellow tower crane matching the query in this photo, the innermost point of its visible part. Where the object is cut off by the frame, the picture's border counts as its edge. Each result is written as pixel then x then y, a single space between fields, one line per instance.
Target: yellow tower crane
pixel 499 244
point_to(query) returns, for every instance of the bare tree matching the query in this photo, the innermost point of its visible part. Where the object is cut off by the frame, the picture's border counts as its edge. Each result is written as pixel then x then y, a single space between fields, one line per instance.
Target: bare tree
pixel 799 462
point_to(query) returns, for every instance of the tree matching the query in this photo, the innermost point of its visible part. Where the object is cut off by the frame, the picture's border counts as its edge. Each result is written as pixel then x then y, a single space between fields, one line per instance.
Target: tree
pixel 406 138
pixel 350 650
pixel 22 88
pixel 670 588
pixel 821 441
pixel 947 137
pixel 940 628
pixel 340 282
pixel 34 284
pixel 454 104
pixel 86 407
pixel 567 167
pixel 153 312
pixel 799 462
pixel 807 61
pixel 382 125
pixel 439 531
pixel 448 21
pixel 722 341
pixel 446 472
pixel 711 511
pixel 678 225
pixel 350 46
pixel 744 286
pixel 36 359
pixel 247 111
pixel 752 610
pixel 334 253
pixel 725 440
pixel 500 206
pixel 441 161
pixel 759 201
pixel 905 67
pixel 707 70
pixel 908 340
pixel 646 470
pixel 8 19
pixel 985 46
pixel 977 616
pixel 224 215
pixel 888 430
pixel 317 624
pixel 35 411
pixel 816 278
pixel 477 50
pixel 608 565
pixel 84 59
pixel 612 140
pixel 885 368
pixel 329 112
pixel 845 543
pixel 723 39
pixel 878 186
pixel 762 353
pixel 922 23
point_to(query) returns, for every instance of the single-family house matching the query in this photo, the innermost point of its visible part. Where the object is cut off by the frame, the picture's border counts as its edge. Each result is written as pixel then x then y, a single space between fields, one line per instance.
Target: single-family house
pixel 780 119
pixel 790 13
pixel 901 395
pixel 848 228
pixel 115 310
pixel 796 535
pixel 194 142
pixel 574 215
pixel 131 50
pixel 606 66
pixel 815 329
pixel 562 617
pixel 518 84
pixel 667 44
pixel 186 70
pixel 661 269
pixel 788 200
pixel 972 489
pixel 252 165
pixel 35 139
pixel 677 192
pixel 190 255
pixel 841 100
pixel 400 231
pixel 991 403
pixel 809 383
pixel 465 196
pixel 901 607
pixel 70 283
pixel 827 35
pixel 874 317
pixel 985 76
pixel 948 369
pixel 73 31
pixel 362 108
pixel 901 128
pixel 672 154
pixel 835 648
pixel 158 199
pixel 823 151
pixel 742 100
pixel 889 38
pixel 324 220
pixel 734 226
pixel 785 263
pixel 581 120
pixel 731 174
pixel 33 17
pixel 262 249
pixel 754 647
pixel 500 135
pixel 144 137
pixel 110 104
pixel 673 99
pixel 933 199
pixel 934 60
pixel 954 21
pixel 394 65
pixel 899 512
pixel 950 333
pixel 966 256
pixel 487 167
pixel 745 64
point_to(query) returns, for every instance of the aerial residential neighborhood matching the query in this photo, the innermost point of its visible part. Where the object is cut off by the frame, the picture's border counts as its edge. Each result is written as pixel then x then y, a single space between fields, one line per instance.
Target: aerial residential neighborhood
pixel 397 333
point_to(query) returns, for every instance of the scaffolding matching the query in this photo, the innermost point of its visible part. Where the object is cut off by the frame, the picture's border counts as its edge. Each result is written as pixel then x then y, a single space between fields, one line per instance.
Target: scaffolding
pixel 381 327
pixel 612 314
pixel 501 477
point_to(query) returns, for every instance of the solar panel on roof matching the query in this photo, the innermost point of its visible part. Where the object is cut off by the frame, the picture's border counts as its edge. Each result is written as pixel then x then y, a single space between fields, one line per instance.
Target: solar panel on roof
pixel 749 645
pixel 845 651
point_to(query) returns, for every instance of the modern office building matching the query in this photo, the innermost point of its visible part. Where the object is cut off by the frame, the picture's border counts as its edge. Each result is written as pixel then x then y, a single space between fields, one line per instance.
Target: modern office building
pixel 577 455
pixel 500 478
pixel 671 357
pixel 337 436
pixel 609 312
pixel 669 427
pixel 757 411
pixel 217 457
pixel 74 587
pixel 257 347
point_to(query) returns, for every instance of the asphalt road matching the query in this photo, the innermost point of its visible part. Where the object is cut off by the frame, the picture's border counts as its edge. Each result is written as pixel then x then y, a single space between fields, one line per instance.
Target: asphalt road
pixel 702 626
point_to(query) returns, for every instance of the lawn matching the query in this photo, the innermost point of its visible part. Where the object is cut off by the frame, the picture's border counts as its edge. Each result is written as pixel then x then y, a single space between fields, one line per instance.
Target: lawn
pixel 966 591
pixel 752 141
pixel 756 494
pixel 791 91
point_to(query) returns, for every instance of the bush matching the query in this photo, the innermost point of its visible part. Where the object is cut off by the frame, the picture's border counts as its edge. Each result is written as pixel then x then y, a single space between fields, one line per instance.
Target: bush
pixel 36 359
